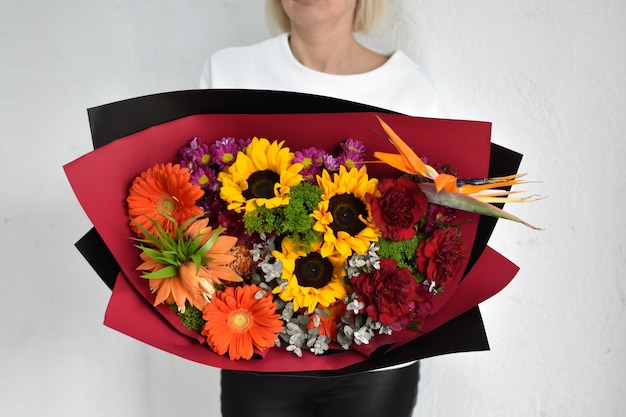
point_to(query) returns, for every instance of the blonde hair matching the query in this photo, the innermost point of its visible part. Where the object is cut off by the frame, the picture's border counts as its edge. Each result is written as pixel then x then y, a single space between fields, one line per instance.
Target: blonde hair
pixel 367 14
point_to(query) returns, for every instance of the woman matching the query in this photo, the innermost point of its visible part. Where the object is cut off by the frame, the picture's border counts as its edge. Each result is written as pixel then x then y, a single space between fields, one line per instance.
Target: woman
pixel 318 54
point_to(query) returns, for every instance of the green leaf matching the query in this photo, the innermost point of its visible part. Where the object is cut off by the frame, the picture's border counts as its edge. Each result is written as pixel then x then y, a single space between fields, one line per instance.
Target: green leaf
pixel 197 260
pixel 171 257
pixel 466 202
pixel 149 237
pixel 152 253
pixel 167 272
pixel 209 243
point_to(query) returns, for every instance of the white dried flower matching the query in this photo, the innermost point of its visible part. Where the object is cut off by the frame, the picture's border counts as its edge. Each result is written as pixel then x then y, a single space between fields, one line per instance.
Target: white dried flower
pixel 294 349
pixel 365 263
pixel 319 345
pixel 355 306
pixel 287 312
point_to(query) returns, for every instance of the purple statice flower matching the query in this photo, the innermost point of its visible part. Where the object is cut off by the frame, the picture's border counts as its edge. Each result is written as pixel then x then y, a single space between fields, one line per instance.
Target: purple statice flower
pixel 205 177
pixel 224 151
pixel 194 154
pixel 312 160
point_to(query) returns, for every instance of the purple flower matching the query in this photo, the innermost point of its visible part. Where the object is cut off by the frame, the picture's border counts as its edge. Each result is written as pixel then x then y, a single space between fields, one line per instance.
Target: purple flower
pixel 212 206
pixel 350 159
pixel 353 145
pixel 205 177
pixel 352 155
pixel 194 154
pixel 192 145
pixel 224 151
pixel 438 216
pixel 312 160
pixel 330 163
pixel 243 143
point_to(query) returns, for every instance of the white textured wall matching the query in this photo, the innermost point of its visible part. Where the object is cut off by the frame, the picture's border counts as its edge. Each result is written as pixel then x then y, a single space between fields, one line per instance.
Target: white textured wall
pixel 550 75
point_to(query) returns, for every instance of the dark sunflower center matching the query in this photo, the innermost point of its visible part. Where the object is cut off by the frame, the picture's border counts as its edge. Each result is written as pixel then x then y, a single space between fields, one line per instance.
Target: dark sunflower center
pixel 346 209
pixel 261 184
pixel 313 270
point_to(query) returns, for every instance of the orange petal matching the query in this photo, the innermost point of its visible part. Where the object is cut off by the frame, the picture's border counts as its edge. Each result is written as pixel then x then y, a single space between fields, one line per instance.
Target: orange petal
pixel 490 183
pixel 410 158
pixel 446 182
pixel 226 274
pixel 179 293
pixel 221 258
pixel 188 274
pixel 396 161
pixel 163 291
pixel 223 244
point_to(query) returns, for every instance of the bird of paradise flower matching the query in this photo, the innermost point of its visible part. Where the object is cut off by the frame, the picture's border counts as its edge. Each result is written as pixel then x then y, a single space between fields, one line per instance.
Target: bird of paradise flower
pixel 474 195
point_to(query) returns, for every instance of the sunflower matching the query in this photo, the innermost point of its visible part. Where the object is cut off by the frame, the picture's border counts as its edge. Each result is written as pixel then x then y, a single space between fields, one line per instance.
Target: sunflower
pixel 260 176
pixel 236 322
pixel 188 266
pixel 162 193
pixel 343 214
pixel 312 279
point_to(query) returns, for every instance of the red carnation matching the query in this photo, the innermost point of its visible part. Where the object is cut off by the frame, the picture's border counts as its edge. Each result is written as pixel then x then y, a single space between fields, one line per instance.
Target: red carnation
pixel 399 208
pixel 388 293
pixel 440 257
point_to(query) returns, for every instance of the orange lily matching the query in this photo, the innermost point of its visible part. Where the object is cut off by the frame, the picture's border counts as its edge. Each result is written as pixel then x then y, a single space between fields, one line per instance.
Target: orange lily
pixel 186 266
pixel 471 195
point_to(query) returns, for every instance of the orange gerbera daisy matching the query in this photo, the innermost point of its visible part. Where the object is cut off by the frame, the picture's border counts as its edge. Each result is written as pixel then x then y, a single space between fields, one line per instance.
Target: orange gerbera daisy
pixel 159 192
pixel 237 323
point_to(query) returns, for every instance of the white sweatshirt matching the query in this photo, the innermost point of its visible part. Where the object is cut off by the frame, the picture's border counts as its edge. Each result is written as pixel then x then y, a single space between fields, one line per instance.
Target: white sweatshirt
pixel 399 84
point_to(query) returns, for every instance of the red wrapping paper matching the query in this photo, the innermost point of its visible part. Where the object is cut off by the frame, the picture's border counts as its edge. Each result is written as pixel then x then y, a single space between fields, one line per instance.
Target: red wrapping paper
pixel 101 180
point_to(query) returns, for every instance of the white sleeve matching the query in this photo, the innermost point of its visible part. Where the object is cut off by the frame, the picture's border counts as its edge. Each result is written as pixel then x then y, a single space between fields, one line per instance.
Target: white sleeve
pixel 205 77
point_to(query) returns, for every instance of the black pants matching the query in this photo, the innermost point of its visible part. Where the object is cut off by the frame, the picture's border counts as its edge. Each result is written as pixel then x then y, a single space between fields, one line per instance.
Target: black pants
pixel 389 393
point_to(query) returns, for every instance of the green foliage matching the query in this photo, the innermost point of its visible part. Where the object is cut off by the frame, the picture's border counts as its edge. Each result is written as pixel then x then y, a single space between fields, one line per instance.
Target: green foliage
pixel 191 318
pixel 402 252
pixel 174 251
pixel 293 220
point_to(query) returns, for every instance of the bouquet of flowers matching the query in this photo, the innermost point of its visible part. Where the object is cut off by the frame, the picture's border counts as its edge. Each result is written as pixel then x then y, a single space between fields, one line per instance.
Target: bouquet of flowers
pixel 305 250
